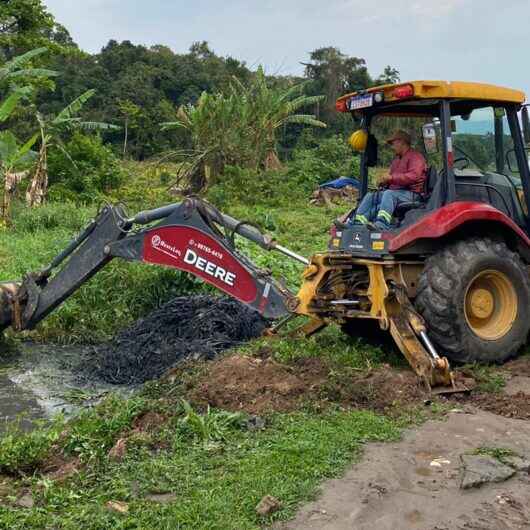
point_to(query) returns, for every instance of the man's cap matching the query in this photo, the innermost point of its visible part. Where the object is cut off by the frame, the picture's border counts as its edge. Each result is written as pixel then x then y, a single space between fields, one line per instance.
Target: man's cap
pixel 400 135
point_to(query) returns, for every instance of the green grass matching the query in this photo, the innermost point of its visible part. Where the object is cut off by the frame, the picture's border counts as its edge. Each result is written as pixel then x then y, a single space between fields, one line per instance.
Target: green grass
pixel 330 344
pixel 122 292
pixel 499 453
pixel 489 378
pixel 217 486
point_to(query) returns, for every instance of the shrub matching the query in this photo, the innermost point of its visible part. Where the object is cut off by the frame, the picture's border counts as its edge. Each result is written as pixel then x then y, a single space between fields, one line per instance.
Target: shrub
pixel 89 169
pixel 22 452
pixel 252 187
pixel 65 215
pixel 317 161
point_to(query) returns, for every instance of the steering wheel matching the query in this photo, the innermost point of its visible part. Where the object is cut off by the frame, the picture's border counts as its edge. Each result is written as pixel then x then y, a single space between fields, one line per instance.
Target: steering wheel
pixel 464 160
pixel 462 156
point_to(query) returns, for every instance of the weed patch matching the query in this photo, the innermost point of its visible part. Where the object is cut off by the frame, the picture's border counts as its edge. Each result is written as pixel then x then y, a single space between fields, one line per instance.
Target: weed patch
pixel 488 378
pixel 499 453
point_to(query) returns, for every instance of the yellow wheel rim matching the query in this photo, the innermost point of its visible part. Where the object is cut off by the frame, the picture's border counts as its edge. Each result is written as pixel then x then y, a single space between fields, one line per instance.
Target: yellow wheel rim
pixel 490 305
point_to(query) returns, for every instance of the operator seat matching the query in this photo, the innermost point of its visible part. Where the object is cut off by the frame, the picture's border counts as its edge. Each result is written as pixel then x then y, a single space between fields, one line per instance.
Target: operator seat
pixel 430 183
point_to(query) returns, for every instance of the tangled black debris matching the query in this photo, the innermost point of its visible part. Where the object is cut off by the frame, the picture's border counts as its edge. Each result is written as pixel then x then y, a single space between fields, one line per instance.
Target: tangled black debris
pixel 190 327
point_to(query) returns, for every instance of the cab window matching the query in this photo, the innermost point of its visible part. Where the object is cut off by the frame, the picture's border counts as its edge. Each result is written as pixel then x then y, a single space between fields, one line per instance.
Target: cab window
pixel 474 140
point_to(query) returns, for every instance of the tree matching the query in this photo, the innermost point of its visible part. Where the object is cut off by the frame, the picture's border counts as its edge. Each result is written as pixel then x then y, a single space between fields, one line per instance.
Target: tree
pixel 131 114
pixel 155 79
pixel 390 76
pixel 16 77
pixel 334 74
pixel 26 24
pixel 51 130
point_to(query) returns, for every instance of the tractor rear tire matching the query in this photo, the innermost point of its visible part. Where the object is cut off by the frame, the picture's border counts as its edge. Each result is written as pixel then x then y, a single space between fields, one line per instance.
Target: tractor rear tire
pixel 474 295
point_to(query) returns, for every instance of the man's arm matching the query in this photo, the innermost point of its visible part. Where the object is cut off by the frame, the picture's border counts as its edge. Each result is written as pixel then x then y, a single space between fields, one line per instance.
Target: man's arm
pixel 416 172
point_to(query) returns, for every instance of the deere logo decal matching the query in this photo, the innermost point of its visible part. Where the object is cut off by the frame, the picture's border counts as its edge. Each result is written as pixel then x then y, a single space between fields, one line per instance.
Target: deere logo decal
pixel 213 270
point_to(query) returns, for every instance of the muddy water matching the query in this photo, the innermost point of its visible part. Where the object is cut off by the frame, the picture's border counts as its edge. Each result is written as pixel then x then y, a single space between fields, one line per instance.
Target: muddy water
pixel 17 404
pixel 35 384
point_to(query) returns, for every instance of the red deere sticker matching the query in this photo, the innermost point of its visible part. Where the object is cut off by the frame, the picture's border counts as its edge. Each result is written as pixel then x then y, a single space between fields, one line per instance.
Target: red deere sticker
pixel 191 250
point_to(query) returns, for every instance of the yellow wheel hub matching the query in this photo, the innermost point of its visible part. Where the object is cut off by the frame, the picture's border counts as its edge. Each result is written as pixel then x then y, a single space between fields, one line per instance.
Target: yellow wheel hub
pixel 481 303
pixel 490 305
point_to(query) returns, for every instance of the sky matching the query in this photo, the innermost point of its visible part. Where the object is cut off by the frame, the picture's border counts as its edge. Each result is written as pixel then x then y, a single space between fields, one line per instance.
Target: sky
pixel 471 40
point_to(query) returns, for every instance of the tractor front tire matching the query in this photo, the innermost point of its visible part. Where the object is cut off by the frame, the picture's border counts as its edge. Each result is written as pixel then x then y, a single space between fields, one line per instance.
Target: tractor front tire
pixel 474 295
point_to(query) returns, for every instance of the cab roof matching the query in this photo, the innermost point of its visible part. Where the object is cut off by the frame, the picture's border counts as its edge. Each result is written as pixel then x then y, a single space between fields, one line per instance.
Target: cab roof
pixel 459 90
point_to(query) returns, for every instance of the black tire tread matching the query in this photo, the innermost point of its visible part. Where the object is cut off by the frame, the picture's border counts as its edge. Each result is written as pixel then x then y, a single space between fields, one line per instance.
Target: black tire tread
pixel 441 278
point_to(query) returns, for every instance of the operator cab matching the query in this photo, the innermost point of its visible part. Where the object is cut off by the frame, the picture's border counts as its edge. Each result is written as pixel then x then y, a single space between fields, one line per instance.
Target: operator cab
pixel 470 135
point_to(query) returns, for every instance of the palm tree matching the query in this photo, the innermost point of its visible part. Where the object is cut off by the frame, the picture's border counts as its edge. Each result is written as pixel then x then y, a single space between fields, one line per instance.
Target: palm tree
pixel 51 129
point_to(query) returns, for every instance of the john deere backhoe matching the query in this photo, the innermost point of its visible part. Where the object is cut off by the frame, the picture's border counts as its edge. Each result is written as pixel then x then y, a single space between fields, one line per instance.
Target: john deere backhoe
pixel 449 280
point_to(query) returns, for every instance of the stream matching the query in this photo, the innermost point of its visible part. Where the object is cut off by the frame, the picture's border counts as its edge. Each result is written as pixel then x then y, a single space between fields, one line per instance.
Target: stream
pixel 35 385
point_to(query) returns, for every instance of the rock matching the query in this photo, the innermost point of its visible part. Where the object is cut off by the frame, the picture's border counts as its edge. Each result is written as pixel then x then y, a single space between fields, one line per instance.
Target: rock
pixel 118 450
pixel 255 423
pixel 518 463
pixel 440 462
pixel 26 501
pixel 481 469
pixel 268 505
pixel 161 498
pixel 118 506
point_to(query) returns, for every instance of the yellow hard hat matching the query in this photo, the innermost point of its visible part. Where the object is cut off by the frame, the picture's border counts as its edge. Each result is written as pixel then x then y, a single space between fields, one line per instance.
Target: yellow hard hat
pixel 359 140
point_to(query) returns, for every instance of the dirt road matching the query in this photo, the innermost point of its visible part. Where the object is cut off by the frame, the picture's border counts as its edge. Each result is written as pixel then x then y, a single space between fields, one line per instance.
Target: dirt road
pixel 415 484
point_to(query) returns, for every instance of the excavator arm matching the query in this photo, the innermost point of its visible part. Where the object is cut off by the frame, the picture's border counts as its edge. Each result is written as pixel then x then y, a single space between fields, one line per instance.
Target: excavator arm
pixel 191 236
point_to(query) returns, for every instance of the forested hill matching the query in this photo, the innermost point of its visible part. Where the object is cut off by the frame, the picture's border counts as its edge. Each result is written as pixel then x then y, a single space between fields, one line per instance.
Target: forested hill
pixel 143 86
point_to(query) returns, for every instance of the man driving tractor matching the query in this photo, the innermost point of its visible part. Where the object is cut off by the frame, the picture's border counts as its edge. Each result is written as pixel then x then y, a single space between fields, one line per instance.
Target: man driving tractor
pixel 404 182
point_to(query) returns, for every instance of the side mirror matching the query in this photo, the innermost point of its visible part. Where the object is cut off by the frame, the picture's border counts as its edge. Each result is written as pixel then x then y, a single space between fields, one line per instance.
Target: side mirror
pixel 429 138
pixel 511 160
pixel 526 125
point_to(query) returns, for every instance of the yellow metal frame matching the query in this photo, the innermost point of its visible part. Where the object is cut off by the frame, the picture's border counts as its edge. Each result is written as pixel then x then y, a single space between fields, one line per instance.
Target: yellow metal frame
pixel 391 307
pixel 450 90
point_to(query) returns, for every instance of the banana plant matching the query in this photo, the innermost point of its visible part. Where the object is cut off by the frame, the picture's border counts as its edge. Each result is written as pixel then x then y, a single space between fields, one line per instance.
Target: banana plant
pixel 51 131
pixel 16 77
pixel 240 127
pixel 16 71
pixel 15 161
pixel 273 109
